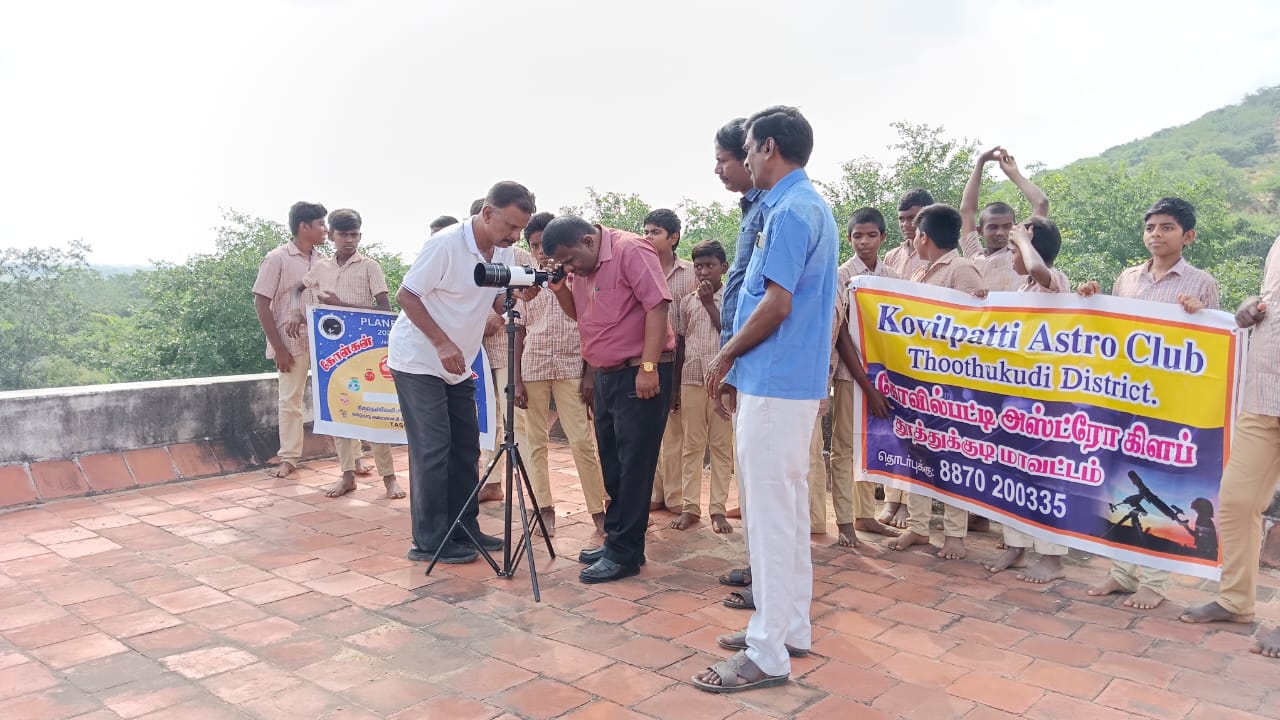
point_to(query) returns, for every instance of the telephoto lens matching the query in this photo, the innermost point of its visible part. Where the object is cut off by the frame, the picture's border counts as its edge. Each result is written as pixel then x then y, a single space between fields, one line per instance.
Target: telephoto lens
pixel 499 275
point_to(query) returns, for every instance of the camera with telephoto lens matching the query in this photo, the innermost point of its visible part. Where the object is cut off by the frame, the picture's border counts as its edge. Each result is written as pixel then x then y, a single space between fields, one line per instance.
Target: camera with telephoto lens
pixel 499 275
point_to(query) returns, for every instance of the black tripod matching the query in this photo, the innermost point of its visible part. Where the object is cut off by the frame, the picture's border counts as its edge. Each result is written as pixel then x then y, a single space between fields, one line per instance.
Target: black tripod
pixel 514 490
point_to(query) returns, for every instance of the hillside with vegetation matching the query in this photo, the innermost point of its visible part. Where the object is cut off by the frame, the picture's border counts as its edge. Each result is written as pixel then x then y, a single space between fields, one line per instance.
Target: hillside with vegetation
pixel 83 326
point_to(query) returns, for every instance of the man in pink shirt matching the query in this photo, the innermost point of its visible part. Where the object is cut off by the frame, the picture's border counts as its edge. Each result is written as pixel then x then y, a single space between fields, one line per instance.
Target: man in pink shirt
pixel 618 295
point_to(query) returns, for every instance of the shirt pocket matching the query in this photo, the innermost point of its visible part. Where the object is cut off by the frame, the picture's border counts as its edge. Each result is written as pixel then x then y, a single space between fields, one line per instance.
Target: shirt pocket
pixel 607 307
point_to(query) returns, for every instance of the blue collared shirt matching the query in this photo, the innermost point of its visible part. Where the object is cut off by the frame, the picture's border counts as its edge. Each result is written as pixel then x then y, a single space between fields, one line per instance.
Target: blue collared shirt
pixel 748 231
pixel 798 250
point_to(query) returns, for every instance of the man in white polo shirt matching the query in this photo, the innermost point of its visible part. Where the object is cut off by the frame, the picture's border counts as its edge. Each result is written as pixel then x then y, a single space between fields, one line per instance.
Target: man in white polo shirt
pixel 431 348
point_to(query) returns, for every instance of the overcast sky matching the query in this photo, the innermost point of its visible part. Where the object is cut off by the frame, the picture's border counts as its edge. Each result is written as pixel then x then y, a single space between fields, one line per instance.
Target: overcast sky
pixel 130 124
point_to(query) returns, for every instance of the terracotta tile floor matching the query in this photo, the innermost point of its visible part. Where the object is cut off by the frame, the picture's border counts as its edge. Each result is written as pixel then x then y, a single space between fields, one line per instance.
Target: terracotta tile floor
pixel 244 596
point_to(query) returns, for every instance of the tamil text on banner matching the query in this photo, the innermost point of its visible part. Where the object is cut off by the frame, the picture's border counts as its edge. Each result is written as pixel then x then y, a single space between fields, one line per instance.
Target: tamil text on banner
pixel 352 390
pixel 1100 423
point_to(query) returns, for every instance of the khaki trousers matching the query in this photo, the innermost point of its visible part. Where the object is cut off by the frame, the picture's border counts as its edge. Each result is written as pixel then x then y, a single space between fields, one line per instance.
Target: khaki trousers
pixel 704 430
pixel 1018 539
pixel 1132 576
pixel 350 450
pixel 1248 487
pixel 499 427
pixel 817 481
pixel 955 522
pixel 531 434
pixel 293 388
pixel 854 498
pixel 668 488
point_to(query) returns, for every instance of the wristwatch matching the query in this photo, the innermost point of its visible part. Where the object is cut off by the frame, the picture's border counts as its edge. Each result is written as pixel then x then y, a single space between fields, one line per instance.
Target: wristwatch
pixel 648 366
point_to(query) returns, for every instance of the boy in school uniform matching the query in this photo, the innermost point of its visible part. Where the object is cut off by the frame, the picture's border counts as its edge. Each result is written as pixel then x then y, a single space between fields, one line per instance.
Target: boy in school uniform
pixel 697 341
pixel 1036 242
pixel 662 230
pixel 987 242
pixel 938 242
pixel 349 279
pixel 549 364
pixel 854 497
pixel 1169 226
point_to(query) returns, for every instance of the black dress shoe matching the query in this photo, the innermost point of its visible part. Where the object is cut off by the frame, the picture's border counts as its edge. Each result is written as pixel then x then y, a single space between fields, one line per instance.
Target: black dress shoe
pixel 606 570
pixel 416 555
pixel 592 556
pixel 455 554
pixel 488 542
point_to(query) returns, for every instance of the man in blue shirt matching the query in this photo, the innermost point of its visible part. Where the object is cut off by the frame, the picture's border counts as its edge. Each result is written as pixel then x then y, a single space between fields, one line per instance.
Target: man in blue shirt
pixel 773 375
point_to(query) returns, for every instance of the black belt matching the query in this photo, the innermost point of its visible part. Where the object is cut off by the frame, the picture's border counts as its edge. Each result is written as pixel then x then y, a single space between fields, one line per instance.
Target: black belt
pixel 665 357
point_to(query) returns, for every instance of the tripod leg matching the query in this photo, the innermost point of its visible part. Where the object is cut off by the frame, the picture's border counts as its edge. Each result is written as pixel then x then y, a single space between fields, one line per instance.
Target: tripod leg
pixel 457 522
pixel 526 540
pixel 524 475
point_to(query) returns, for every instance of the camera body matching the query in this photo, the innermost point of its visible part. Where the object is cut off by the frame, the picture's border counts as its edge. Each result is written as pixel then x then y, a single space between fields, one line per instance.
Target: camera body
pixel 499 275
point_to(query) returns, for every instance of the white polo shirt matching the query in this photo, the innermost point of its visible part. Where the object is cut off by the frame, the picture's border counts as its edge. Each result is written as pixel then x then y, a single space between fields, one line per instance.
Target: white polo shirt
pixel 443 277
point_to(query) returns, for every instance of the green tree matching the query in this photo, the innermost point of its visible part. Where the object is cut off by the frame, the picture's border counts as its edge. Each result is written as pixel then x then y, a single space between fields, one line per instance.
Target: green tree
pixel 42 290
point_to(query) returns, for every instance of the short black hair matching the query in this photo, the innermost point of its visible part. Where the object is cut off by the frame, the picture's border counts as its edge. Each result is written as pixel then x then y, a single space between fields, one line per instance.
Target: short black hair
pixel 917 197
pixel 304 213
pixel 709 248
pixel 733 137
pixel 476 206
pixel 1181 211
pixel 791 132
pixel 942 224
pixel 867 215
pixel 537 223
pixel 442 222
pixel 1045 238
pixel 345 220
pixel 997 208
pixel 507 194
pixel 565 231
pixel 665 219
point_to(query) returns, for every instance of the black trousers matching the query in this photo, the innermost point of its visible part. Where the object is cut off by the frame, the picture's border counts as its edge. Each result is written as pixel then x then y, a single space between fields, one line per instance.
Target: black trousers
pixel 629 435
pixel 444 451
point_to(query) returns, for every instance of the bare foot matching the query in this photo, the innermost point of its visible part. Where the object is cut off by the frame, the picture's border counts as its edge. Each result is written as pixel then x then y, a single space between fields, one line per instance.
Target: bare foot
pixel 735 513
pixel 906 540
pixel 598 519
pixel 685 521
pixel 1213 612
pixel 952 549
pixel 1000 544
pixel 491 492
pixel 656 506
pixel 1144 599
pixel 1011 557
pixel 548 521
pixel 1106 587
pixel 1268 644
pixel 391 482
pixel 886 513
pixel 1048 569
pixel 363 468
pixel 343 486
pixel 845 537
pixel 874 526
pixel 283 470
pixel 720 524
pixel 900 516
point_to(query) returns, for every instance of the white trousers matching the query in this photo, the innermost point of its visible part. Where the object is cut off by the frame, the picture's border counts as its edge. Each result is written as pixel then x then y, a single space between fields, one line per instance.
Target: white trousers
pixel 773 463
